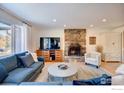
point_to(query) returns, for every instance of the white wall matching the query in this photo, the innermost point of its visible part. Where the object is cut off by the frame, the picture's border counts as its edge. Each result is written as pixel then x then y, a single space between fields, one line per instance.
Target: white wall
pixel 121 31
pixel 102 38
pixel 37 33
pixel 95 33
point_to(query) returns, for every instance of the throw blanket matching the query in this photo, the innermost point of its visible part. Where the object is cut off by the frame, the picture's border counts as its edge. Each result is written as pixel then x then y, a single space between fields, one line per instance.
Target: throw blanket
pixel 103 80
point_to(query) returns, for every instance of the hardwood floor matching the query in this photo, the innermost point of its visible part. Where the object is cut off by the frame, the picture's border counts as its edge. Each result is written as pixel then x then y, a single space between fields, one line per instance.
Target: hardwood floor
pixel 110 66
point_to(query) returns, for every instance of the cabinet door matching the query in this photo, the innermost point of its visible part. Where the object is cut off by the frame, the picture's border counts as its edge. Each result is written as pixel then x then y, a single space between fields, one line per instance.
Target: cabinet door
pixel 39 52
pixel 46 55
pixel 58 54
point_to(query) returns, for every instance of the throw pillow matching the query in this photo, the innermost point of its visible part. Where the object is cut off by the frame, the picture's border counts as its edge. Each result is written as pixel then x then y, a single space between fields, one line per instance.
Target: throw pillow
pixel 27 60
pixel 3 72
pixel 19 61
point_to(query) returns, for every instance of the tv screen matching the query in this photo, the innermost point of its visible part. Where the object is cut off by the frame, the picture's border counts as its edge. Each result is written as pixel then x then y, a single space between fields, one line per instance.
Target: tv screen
pixel 49 43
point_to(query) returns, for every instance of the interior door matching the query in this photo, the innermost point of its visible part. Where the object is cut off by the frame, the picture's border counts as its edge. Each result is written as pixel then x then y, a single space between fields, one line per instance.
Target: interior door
pixel 113 46
pixel 123 46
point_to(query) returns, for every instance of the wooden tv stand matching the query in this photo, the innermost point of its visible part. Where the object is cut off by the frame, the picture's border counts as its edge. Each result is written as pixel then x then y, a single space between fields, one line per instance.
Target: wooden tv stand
pixel 55 55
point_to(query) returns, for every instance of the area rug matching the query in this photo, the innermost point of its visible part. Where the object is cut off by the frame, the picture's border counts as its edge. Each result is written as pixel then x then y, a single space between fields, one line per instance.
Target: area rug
pixel 84 72
pixel 89 71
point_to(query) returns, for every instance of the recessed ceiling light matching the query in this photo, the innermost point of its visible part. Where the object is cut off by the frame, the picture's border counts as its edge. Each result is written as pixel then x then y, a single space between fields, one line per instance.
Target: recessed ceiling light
pixel 54 20
pixel 91 25
pixel 64 25
pixel 104 20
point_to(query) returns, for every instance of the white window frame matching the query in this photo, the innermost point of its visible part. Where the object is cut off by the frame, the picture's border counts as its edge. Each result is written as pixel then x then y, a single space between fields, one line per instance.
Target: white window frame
pixel 11 46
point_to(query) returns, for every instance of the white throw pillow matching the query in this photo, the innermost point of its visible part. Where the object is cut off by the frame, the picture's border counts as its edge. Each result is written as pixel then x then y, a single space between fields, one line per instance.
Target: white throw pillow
pixel 34 55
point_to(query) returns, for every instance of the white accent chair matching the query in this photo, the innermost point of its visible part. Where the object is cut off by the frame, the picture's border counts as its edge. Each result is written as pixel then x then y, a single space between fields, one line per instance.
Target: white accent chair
pixel 93 58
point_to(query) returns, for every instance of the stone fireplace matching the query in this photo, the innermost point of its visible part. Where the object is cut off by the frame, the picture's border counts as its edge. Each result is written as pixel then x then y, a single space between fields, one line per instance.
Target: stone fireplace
pixel 75 42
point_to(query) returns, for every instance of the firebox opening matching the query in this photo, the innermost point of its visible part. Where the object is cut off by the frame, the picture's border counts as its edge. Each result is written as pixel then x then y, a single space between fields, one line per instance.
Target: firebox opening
pixel 74 49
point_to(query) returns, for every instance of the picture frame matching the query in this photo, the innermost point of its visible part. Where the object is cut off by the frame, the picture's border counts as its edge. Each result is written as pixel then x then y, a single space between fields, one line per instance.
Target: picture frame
pixel 92 40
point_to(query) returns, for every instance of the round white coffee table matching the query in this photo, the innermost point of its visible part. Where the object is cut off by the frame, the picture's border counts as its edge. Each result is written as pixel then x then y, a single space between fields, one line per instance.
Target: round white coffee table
pixel 56 72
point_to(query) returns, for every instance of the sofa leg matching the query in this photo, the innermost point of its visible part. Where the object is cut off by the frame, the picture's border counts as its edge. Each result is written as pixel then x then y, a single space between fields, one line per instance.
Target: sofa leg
pixel 97 66
pixel 40 71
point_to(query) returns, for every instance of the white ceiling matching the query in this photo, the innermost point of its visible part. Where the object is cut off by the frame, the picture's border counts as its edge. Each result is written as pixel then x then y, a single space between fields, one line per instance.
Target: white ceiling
pixel 73 15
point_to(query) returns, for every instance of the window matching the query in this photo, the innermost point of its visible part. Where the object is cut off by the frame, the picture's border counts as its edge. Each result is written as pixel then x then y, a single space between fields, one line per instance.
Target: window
pixel 14 39
pixel 5 40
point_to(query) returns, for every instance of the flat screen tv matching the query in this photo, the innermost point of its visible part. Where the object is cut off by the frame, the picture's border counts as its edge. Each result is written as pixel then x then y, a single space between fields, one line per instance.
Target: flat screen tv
pixel 49 43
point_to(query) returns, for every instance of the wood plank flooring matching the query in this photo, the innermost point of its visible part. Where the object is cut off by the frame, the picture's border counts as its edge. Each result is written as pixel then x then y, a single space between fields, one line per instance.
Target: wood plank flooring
pixel 110 67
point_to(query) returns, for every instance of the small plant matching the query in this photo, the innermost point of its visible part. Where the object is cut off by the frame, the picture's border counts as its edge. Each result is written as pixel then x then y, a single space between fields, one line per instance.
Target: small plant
pixel 99 49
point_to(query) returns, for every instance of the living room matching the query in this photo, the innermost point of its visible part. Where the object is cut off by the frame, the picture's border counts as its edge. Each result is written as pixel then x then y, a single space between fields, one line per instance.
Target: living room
pixel 76 44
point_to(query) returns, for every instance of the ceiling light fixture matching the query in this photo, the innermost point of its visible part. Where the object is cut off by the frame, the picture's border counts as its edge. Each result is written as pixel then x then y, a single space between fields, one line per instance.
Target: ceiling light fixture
pixel 64 25
pixel 104 20
pixel 91 25
pixel 54 20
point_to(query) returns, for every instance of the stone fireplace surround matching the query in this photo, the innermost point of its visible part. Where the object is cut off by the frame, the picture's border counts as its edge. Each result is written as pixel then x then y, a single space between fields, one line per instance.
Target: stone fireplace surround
pixel 75 42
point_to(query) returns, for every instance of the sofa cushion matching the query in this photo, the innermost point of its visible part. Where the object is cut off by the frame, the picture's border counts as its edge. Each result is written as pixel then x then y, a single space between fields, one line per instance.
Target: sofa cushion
pixel 36 65
pixel 6 84
pixel 19 75
pixel 91 59
pixel 19 61
pixel 11 84
pixel 9 62
pixel 3 72
pixel 93 55
pixel 27 60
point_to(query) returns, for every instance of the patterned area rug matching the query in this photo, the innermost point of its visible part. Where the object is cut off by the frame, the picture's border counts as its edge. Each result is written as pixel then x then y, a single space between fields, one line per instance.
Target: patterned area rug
pixel 84 72
pixel 88 72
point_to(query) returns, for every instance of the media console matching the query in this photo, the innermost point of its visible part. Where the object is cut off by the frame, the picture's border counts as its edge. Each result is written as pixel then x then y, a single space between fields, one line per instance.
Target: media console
pixel 55 55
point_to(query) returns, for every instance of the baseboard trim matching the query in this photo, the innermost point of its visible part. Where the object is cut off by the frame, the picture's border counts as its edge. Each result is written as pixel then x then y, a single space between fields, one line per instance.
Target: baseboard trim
pixel 113 61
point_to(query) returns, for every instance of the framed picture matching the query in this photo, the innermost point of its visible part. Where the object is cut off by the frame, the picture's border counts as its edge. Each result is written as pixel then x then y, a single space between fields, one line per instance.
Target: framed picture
pixel 92 40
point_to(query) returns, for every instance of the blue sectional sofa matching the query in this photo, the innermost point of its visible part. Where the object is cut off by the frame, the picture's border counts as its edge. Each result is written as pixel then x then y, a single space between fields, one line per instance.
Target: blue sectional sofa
pixel 13 70
pixel 20 69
